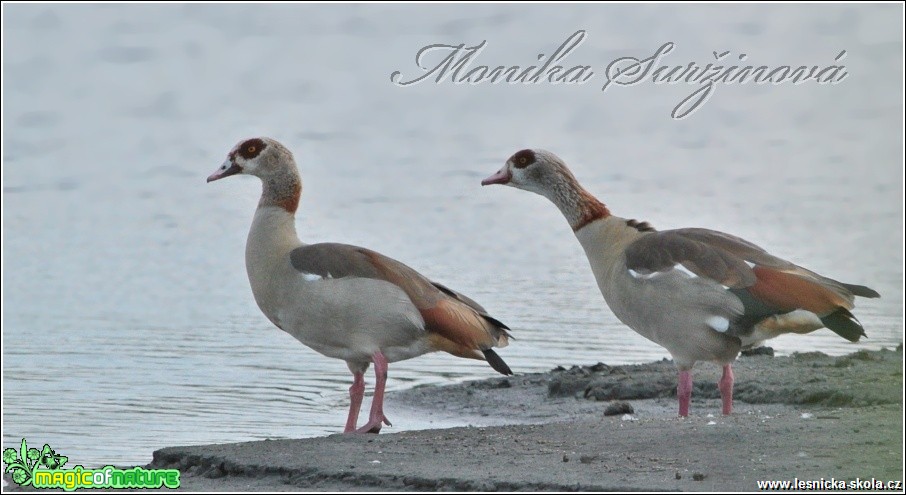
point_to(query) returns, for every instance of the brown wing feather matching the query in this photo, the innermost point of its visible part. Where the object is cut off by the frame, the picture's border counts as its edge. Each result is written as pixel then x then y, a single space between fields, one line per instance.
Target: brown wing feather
pixel 725 259
pixel 706 253
pixel 787 291
pixel 454 317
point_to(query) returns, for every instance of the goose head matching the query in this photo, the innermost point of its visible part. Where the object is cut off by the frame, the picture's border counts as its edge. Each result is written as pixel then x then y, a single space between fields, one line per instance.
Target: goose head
pixel 261 157
pixel 271 162
pixel 544 173
pixel 535 170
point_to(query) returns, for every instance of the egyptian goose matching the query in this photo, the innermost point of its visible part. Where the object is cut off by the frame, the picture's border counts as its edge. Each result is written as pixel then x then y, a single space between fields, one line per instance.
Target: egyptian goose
pixel 702 294
pixel 344 301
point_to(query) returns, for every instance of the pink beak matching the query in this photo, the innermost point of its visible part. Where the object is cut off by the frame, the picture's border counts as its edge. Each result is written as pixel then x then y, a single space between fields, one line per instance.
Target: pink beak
pixel 502 176
pixel 225 170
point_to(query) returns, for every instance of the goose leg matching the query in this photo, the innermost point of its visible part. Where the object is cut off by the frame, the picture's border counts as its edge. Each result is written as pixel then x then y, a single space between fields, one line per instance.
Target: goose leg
pixel 376 419
pixel 684 392
pixel 356 393
pixel 726 389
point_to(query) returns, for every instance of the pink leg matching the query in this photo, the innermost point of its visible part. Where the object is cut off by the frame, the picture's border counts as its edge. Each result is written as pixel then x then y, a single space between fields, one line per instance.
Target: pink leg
pixel 356 392
pixel 376 419
pixel 684 392
pixel 726 389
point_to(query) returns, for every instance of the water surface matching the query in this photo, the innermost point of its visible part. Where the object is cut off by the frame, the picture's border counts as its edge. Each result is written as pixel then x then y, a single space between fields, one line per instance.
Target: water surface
pixel 128 321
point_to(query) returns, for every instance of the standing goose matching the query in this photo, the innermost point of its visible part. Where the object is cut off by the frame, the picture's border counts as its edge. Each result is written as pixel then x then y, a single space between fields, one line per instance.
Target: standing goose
pixel 701 294
pixel 344 301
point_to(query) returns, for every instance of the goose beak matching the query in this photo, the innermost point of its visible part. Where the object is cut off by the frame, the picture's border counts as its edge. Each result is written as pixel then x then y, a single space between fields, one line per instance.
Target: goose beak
pixel 502 176
pixel 227 169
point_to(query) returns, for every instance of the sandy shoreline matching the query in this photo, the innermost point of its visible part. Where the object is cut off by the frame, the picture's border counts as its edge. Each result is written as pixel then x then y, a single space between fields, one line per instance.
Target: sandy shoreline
pixel 807 416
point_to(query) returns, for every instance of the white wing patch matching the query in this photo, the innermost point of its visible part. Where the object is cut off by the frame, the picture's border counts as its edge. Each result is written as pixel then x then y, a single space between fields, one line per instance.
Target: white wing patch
pixel 648 275
pixel 641 276
pixel 683 269
pixel 311 277
pixel 718 323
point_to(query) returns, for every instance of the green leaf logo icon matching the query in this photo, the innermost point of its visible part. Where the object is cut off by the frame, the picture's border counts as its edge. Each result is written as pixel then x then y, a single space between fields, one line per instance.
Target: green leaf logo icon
pixel 18 463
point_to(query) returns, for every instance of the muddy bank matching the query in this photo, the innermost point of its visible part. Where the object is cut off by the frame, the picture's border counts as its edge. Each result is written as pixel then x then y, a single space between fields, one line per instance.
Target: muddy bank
pixel 804 379
pixel 807 416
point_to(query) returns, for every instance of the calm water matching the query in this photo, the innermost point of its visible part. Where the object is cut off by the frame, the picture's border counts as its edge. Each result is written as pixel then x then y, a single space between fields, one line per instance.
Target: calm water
pixel 128 322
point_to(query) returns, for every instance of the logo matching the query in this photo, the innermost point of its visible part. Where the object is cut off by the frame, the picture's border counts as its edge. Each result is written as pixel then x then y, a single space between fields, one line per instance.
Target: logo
pixel 44 469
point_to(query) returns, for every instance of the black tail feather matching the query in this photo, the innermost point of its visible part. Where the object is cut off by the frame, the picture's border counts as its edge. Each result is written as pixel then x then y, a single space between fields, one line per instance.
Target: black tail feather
pixel 844 324
pixel 495 322
pixel 861 290
pixel 496 362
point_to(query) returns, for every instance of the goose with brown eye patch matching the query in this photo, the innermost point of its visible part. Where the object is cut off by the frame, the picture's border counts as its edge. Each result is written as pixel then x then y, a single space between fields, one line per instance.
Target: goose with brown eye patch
pixel 348 302
pixel 701 294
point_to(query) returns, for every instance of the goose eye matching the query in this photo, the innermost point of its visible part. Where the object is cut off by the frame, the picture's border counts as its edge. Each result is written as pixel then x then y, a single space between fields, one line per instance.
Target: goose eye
pixel 523 158
pixel 250 149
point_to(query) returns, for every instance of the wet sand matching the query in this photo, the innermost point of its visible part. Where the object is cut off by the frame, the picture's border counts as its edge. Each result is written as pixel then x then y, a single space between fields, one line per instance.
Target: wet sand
pixel 807 416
